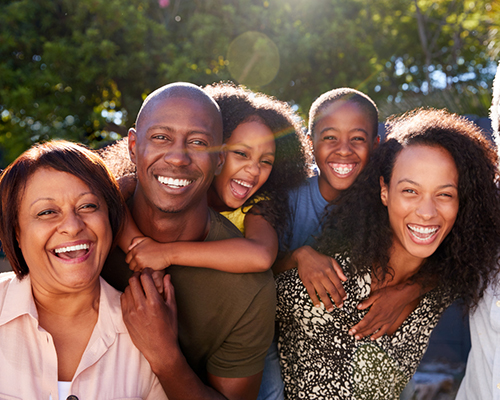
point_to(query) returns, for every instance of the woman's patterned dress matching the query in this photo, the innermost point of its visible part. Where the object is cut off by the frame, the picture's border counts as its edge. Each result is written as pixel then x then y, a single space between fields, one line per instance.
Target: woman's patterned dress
pixel 320 360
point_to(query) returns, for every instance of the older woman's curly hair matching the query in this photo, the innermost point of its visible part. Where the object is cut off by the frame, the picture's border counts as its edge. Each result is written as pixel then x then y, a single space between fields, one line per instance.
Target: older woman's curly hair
pixel 239 105
pixel 467 258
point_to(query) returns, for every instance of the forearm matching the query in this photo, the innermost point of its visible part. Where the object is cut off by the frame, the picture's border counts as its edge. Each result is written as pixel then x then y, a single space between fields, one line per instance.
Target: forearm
pixel 284 262
pixel 129 232
pixel 180 382
pixel 289 260
pixel 238 255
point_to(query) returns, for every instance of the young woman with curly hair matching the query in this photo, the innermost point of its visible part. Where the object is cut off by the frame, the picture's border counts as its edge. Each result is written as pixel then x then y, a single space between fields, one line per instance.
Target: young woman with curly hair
pixel 426 207
pixel 265 157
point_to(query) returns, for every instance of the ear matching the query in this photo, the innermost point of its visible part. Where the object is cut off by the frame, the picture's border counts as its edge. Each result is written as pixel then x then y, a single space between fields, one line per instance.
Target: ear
pixel 384 191
pixel 132 141
pixel 376 142
pixel 221 159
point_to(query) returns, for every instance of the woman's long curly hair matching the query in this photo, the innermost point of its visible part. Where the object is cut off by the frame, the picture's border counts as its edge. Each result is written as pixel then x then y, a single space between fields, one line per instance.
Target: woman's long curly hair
pixel 465 261
pixel 239 105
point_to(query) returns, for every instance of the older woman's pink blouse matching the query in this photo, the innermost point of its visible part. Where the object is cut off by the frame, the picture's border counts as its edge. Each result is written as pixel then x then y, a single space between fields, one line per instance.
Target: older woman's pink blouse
pixel 111 366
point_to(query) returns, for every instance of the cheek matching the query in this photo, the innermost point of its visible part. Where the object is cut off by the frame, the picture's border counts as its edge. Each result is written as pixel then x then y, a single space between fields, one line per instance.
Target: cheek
pixel 364 156
pixel 451 213
pixel 264 176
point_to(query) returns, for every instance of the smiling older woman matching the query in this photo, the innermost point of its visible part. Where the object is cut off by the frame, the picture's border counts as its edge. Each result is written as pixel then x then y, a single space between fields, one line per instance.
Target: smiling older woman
pixel 61 325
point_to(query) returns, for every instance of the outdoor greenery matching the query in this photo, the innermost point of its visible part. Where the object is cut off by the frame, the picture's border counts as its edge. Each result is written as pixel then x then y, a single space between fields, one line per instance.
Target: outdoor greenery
pixel 80 69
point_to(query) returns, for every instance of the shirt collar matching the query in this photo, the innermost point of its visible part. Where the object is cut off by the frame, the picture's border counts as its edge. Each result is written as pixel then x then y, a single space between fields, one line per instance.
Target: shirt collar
pixel 18 299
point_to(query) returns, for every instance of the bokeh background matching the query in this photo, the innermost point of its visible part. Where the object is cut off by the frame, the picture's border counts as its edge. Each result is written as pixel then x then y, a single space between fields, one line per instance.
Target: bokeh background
pixel 80 69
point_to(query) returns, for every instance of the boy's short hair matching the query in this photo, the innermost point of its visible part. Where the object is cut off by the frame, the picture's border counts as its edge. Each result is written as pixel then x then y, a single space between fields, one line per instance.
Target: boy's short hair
pixel 346 95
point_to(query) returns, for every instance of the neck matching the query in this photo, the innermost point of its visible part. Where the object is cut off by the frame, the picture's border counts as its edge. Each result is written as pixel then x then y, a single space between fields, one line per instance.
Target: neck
pixel 216 202
pixel 328 192
pixel 66 305
pixel 404 265
pixel 190 224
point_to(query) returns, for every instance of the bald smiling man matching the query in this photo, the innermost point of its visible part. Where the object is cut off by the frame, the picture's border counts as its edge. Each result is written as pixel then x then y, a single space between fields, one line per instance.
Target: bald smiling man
pixel 225 320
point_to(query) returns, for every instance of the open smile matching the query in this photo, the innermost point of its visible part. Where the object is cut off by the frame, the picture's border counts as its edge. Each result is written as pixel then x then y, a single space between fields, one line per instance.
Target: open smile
pixel 240 188
pixel 343 170
pixel 73 254
pixel 423 234
pixel 174 183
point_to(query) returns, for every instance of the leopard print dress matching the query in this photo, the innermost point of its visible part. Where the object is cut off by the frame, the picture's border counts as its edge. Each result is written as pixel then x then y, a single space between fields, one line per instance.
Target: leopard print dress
pixel 320 360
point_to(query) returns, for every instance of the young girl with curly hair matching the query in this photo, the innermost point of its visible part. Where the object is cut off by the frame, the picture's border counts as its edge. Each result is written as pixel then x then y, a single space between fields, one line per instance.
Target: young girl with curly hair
pixel 425 208
pixel 265 157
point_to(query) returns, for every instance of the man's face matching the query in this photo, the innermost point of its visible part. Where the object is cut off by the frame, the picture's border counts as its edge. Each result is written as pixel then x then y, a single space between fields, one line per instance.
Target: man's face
pixel 176 148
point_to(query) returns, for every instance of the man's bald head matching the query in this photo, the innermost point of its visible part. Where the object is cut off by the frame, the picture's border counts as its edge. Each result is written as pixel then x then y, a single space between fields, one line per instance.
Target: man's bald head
pixel 180 90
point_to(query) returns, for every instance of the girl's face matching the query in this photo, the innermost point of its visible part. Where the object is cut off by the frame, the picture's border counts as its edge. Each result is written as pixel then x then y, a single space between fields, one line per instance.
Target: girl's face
pixel 343 140
pixel 249 161
pixel 422 200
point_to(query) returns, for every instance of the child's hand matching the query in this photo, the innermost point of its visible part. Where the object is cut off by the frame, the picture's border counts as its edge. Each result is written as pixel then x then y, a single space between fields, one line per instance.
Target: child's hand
pixel 321 276
pixel 145 252
pixel 387 304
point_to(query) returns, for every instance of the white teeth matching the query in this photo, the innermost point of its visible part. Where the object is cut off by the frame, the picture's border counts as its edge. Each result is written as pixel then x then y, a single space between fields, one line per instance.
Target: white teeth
pixel 174 182
pixel 72 248
pixel 342 171
pixel 243 183
pixel 423 230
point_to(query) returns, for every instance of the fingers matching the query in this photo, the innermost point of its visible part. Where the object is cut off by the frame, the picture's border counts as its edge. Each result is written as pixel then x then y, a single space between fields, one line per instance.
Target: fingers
pixel 312 293
pixel 170 295
pixel 333 285
pixel 158 280
pixel 363 328
pixel 323 295
pixel 382 331
pixel 338 270
pixel 136 241
pixel 149 285
pixel 369 301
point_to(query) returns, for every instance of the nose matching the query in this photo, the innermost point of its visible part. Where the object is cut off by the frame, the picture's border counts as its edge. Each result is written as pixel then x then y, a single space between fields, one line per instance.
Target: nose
pixel 426 209
pixel 71 224
pixel 253 168
pixel 344 148
pixel 177 154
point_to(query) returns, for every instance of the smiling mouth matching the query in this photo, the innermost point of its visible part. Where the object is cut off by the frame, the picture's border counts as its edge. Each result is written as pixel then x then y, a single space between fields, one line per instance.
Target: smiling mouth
pixel 341 168
pixel 240 188
pixel 174 183
pixel 423 234
pixel 72 252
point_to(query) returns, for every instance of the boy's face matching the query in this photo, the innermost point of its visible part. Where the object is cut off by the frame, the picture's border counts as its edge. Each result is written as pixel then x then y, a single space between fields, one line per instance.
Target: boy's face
pixel 343 139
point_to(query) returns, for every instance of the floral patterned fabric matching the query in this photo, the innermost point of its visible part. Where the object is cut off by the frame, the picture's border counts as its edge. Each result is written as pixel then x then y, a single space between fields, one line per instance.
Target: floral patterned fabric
pixel 320 360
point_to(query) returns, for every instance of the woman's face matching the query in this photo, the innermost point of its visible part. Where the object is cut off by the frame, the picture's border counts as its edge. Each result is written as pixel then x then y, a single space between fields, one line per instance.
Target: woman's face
pixel 64 231
pixel 249 162
pixel 422 200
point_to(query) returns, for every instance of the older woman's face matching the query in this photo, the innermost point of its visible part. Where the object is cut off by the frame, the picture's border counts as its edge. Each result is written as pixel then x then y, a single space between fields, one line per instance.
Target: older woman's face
pixel 422 200
pixel 64 231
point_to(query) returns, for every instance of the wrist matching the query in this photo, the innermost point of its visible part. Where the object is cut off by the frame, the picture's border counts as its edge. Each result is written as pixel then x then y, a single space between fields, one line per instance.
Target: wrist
pixel 166 361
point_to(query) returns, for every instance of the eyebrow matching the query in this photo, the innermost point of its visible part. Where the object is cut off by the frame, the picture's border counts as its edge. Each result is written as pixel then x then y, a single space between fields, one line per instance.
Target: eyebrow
pixel 405 180
pixel 52 199
pixel 232 146
pixel 332 128
pixel 170 129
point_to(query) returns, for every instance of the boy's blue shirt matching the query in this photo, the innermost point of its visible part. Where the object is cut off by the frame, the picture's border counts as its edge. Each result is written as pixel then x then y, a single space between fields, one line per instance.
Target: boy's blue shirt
pixel 308 207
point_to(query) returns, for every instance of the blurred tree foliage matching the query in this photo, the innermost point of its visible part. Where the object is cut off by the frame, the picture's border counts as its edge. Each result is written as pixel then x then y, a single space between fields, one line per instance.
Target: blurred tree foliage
pixel 80 69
